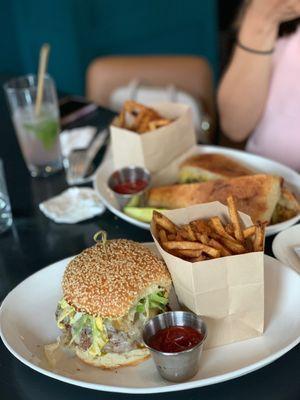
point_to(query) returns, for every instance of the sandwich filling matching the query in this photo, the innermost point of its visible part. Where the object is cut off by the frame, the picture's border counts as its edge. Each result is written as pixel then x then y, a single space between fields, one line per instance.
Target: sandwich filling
pixel 99 336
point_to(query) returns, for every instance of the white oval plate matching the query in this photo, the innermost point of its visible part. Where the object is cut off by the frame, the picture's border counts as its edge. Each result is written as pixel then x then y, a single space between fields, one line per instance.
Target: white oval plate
pixel 27 323
pixel 283 247
pixel 253 161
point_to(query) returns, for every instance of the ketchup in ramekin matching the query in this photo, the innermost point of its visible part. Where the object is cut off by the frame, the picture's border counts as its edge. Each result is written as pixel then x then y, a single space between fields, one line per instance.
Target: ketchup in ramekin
pixel 175 339
pixel 130 187
pixel 128 182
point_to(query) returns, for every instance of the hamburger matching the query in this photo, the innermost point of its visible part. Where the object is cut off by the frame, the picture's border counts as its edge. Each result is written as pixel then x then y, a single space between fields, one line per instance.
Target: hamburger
pixel 109 292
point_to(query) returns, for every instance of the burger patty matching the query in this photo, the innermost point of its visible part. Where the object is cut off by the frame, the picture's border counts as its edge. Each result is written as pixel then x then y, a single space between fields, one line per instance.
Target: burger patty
pixel 85 339
pixel 119 341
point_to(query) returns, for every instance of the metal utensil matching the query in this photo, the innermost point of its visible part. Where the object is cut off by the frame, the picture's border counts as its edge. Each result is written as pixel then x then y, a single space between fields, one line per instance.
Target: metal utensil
pixel 181 366
pixel 80 161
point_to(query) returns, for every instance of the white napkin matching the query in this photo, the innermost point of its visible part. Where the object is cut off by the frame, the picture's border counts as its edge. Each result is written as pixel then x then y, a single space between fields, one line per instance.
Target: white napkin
pixel 77 138
pixel 73 205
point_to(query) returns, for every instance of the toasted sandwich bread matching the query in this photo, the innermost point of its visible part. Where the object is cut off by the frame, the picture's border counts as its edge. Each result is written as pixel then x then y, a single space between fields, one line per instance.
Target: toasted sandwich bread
pixel 206 167
pixel 256 195
pixel 286 208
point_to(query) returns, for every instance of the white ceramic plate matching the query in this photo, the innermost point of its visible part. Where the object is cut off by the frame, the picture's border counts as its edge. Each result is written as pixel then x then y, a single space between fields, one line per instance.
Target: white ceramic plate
pixel 253 161
pixel 27 323
pixel 283 247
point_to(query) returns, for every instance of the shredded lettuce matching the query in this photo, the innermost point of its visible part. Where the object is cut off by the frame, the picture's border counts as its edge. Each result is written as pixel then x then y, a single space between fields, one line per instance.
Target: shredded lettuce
pixel 99 337
pixel 79 321
pixel 65 310
pixel 77 326
pixel 152 301
pixel 157 300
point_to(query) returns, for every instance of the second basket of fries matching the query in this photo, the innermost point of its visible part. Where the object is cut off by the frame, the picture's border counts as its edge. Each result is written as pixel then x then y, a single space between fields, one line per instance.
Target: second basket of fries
pixel 151 137
pixel 215 256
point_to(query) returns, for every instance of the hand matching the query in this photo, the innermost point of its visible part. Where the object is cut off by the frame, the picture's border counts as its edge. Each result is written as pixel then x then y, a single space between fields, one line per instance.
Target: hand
pixel 275 11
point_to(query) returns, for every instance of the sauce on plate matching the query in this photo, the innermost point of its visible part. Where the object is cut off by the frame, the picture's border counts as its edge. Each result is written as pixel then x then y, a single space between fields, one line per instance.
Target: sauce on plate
pixel 175 339
pixel 130 187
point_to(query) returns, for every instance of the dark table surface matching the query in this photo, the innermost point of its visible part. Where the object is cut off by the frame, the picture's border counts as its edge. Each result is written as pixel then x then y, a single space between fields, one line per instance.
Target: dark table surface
pixel 34 241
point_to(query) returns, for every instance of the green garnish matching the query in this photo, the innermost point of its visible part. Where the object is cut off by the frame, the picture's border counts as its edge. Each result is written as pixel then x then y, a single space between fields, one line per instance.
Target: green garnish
pixel 78 321
pixel 46 131
pixel 157 300
pixel 152 301
pixel 143 214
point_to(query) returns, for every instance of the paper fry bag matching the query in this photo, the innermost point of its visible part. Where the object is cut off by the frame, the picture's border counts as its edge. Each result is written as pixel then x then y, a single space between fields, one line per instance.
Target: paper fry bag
pixel 228 292
pixel 155 149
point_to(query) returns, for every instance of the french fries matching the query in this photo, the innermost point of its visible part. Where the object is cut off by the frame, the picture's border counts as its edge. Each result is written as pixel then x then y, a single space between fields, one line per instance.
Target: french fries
pixel 203 238
pixel 250 231
pixel 217 245
pixel 201 226
pixel 171 237
pixel 258 243
pixel 139 118
pixel 209 239
pixel 202 257
pixel 219 228
pixel 190 253
pixel 164 222
pixel 229 229
pixel 234 216
pixel 162 235
pixel 185 245
pixel 187 233
pixel 158 123
pixel 235 247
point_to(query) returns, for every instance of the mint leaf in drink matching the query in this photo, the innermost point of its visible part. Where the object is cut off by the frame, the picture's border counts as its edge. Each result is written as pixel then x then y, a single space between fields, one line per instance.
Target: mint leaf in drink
pixel 46 131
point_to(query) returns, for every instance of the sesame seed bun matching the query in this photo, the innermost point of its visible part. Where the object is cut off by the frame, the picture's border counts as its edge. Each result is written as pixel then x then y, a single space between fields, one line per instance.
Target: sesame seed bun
pixel 107 282
pixel 114 360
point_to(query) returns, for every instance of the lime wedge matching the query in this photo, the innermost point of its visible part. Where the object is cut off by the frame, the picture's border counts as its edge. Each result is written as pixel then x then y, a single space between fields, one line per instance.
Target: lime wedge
pixel 143 214
pixel 46 131
pixel 134 201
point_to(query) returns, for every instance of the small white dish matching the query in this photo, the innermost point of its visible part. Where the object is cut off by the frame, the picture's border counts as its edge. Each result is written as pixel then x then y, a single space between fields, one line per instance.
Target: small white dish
pixel 283 247
pixel 252 161
pixel 27 323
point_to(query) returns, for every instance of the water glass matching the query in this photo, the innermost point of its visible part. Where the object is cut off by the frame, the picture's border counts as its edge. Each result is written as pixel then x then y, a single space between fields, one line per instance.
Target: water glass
pixel 5 210
pixel 37 131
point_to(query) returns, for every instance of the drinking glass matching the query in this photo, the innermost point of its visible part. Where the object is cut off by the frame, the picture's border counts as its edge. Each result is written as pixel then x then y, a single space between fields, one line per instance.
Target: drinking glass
pixel 37 132
pixel 5 211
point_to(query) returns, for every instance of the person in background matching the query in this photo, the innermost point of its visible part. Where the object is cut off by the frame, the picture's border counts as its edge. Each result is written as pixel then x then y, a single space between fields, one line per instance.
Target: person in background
pixel 259 94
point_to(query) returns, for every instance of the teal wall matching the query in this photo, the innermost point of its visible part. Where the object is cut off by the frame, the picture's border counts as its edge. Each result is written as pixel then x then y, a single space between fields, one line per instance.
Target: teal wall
pixel 80 30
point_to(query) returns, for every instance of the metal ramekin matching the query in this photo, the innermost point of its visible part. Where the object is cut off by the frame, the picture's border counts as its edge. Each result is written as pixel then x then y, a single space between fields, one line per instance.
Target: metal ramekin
pixel 130 173
pixel 181 366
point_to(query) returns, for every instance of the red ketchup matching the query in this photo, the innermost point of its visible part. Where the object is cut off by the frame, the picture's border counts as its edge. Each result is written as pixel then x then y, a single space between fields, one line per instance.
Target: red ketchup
pixel 130 187
pixel 175 339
